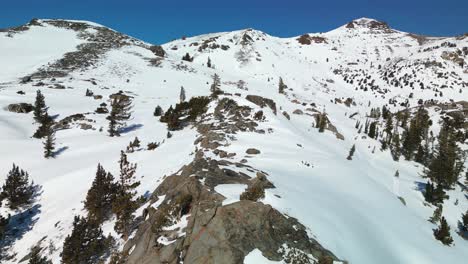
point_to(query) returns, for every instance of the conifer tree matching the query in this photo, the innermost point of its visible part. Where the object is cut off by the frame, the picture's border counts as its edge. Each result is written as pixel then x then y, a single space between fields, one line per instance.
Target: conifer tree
pixel 100 196
pixel 322 122
pixel 464 222
pixel 41 116
pixel 372 130
pixel 436 215
pixel 85 244
pixel 182 94
pixel 158 111
pixel 442 233
pixel 281 86
pixel 216 85
pixel 125 204
pixel 49 142
pixel 443 167
pixel 208 63
pixel 351 152
pixel 36 258
pixel 3 225
pixel 40 108
pixel 434 194
pixel 187 57
pixel 395 147
pixel 121 106
pixel 17 189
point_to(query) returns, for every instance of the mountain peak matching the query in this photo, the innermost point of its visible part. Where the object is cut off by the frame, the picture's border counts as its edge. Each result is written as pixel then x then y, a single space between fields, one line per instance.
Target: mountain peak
pixel 368 23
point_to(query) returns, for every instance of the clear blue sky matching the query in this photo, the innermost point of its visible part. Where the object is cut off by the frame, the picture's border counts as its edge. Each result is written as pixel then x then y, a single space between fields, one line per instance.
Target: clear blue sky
pixel 161 21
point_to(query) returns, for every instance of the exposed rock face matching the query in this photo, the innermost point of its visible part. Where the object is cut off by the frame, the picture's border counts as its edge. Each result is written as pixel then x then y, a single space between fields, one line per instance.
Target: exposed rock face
pixel 235 230
pixel 262 102
pixel 158 50
pixel 22 108
pixel 210 232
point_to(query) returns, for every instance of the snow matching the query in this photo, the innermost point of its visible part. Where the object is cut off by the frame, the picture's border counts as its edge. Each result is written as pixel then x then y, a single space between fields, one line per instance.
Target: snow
pixel 256 257
pixel 350 207
pixel 232 192
pixel 23 53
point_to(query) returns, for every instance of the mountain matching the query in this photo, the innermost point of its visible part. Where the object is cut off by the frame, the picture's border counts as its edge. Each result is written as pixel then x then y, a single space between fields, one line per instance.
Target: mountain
pixel 246 173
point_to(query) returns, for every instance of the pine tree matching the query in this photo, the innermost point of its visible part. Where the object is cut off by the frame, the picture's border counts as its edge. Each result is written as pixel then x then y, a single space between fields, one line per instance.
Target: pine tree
pixel 436 215
pixel 373 130
pixel 434 194
pixel 443 167
pixel 41 116
pixel 442 233
pixel 281 86
pixel 351 152
pixel 322 122
pixel 36 258
pixel 49 142
pixel 187 57
pixel 85 244
pixel 40 108
pixel 208 63
pixel 182 94
pixel 216 85
pixel 3 225
pixel 100 196
pixel 395 147
pixel 464 222
pixel 17 189
pixel 125 204
pixel 158 111
pixel 121 106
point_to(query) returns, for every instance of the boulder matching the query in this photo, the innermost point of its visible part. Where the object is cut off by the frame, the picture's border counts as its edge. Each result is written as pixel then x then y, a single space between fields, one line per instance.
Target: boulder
pixel 22 108
pixel 252 151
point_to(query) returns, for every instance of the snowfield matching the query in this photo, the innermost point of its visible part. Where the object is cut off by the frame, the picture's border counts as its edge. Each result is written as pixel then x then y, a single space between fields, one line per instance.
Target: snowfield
pixel 357 209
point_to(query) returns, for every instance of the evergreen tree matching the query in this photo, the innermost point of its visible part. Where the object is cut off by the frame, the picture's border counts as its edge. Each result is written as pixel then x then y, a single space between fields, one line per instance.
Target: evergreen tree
pixel 49 142
pixel 216 85
pixel 434 194
pixel 187 57
pixel 208 63
pixel 351 152
pixel 373 130
pixel 158 111
pixel 442 233
pixel 36 258
pixel 125 204
pixel 322 122
pixel 41 116
pixel 395 147
pixel 40 108
pixel 281 86
pixel 464 222
pixel 3 225
pixel 100 196
pixel 436 215
pixel 121 106
pixel 86 243
pixel 443 167
pixel 182 94
pixel 17 189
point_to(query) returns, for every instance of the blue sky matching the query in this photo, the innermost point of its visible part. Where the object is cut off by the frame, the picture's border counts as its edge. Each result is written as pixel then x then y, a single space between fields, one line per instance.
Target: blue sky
pixel 161 21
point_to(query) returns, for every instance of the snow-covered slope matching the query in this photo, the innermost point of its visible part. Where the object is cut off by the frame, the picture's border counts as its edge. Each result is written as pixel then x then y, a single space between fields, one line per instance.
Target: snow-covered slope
pixel 352 208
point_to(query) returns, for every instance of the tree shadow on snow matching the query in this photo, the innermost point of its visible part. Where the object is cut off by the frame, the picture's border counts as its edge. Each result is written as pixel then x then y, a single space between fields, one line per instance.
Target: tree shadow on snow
pixel 60 151
pixel 18 225
pixel 21 223
pixel 130 128
pixel 420 186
